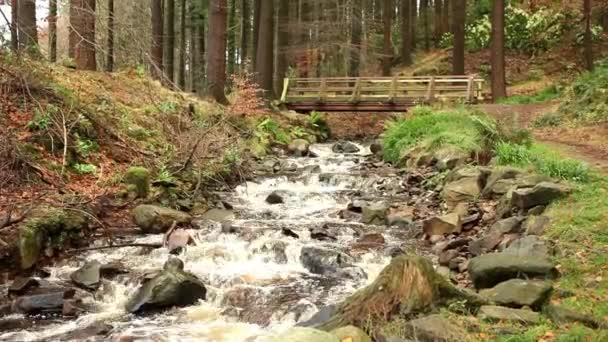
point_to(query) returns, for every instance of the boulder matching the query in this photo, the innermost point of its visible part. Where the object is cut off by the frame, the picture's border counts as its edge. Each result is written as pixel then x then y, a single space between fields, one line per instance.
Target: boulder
pixel 152 219
pixel 352 334
pixel 302 334
pixel 446 256
pixel 542 194
pixel 87 276
pixel 171 287
pixel 500 181
pixel 401 217
pixel 495 235
pixel 529 246
pixel 417 156
pixel 434 328
pixel 20 286
pixel 274 198
pixel 441 225
pixel 345 147
pixel 322 316
pixel 370 241
pixel 375 213
pixel 138 180
pixel 490 269
pixel 450 158
pixel 519 293
pixel 179 239
pixel 376 147
pixel 47 224
pixel 218 215
pixel 498 313
pixel 329 262
pixel 535 225
pixel 506 226
pixel 44 302
pixel 463 190
pixel 298 147
pixel 561 315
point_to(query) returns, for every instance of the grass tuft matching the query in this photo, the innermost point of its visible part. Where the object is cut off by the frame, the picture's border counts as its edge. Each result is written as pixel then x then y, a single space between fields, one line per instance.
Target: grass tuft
pixel 548 94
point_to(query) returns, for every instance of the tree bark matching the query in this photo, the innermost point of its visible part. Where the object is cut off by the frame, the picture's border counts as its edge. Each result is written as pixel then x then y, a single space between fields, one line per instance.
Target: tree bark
pixel 445 17
pixel 26 24
pixel 110 43
pixel 14 24
pixel 413 22
pixel 265 51
pixel 72 36
pixel 458 27
pixel 305 42
pixel 169 49
pixel 406 33
pixel 202 46
pixel 231 38
pixel 424 14
pixel 499 88
pixel 355 39
pixel 216 61
pixel 181 71
pixel 84 30
pixel 53 31
pixel 437 22
pixel 157 38
pixel 588 37
pixel 387 57
pixel 283 44
pixel 257 4
pixel 245 31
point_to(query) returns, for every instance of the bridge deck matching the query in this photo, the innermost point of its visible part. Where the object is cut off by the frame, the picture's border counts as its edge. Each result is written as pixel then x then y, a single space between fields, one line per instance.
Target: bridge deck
pixel 376 93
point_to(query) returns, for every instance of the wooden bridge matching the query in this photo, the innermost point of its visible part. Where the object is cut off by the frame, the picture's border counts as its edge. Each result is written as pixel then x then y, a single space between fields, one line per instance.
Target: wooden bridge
pixel 376 94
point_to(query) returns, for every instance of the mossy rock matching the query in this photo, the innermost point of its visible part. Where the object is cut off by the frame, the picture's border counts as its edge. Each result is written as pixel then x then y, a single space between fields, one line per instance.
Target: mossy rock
pixel 46 225
pixel 138 180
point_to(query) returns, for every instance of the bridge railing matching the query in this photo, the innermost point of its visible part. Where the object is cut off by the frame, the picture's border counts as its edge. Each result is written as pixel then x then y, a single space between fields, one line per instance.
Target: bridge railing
pixel 398 90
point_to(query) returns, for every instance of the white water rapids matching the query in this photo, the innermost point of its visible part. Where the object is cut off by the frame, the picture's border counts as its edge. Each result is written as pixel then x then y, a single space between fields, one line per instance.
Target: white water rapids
pixel 245 262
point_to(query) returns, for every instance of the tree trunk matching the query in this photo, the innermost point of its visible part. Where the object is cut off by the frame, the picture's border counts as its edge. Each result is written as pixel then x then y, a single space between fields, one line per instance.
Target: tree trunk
pixel 458 25
pixel 355 39
pixel 192 59
pixel 157 38
pixel 406 33
pixel 72 36
pixel 437 22
pixel 265 51
pixel 499 88
pixel 53 31
pixel 14 24
pixel 181 72
pixel 588 38
pixel 424 14
pixel 413 22
pixel 387 16
pixel 231 53
pixel 26 25
pixel 169 49
pixel 283 44
pixel 245 31
pixel 257 4
pixel 445 17
pixel 216 61
pixel 84 29
pixel 202 46
pixel 110 56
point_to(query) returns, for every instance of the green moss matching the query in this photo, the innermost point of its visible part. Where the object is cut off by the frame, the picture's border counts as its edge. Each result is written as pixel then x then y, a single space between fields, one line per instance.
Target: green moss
pixel 138 179
pixel 48 227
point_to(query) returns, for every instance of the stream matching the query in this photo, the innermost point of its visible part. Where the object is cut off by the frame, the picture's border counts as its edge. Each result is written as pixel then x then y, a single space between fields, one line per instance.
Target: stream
pixel 258 281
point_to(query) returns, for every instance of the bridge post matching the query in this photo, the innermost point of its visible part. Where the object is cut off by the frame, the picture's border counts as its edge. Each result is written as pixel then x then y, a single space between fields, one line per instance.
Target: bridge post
pixel 393 90
pixel 356 96
pixel 285 89
pixel 322 90
pixel 470 92
pixel 430 93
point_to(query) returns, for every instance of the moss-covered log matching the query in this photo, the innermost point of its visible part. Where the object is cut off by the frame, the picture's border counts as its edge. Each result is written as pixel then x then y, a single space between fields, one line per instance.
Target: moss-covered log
pixel 408 285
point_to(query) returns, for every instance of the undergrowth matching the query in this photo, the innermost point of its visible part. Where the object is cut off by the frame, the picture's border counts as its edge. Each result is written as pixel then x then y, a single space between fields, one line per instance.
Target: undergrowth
pixel 468 131
pixel 585 100
pixel 542 160
pixel 548 94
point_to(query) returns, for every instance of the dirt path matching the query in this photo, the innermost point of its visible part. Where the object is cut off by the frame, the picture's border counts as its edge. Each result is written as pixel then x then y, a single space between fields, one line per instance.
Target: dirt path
pixel 589 144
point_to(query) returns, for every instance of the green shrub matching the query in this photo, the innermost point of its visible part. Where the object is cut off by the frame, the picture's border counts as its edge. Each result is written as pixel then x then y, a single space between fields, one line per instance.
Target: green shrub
pixel 271 129
pixel 85 168
pixel 542 160
pixel 458 128
pixel 548 120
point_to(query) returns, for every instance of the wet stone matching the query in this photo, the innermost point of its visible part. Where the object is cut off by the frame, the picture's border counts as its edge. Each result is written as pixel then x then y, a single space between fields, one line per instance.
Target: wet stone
pixel 22 285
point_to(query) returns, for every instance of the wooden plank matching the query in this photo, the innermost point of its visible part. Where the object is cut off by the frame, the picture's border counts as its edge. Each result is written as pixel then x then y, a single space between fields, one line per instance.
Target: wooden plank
pixel 285 89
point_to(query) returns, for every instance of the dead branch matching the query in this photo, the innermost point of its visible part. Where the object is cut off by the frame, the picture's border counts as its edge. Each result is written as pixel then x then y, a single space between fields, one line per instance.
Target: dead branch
pixel 168 233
